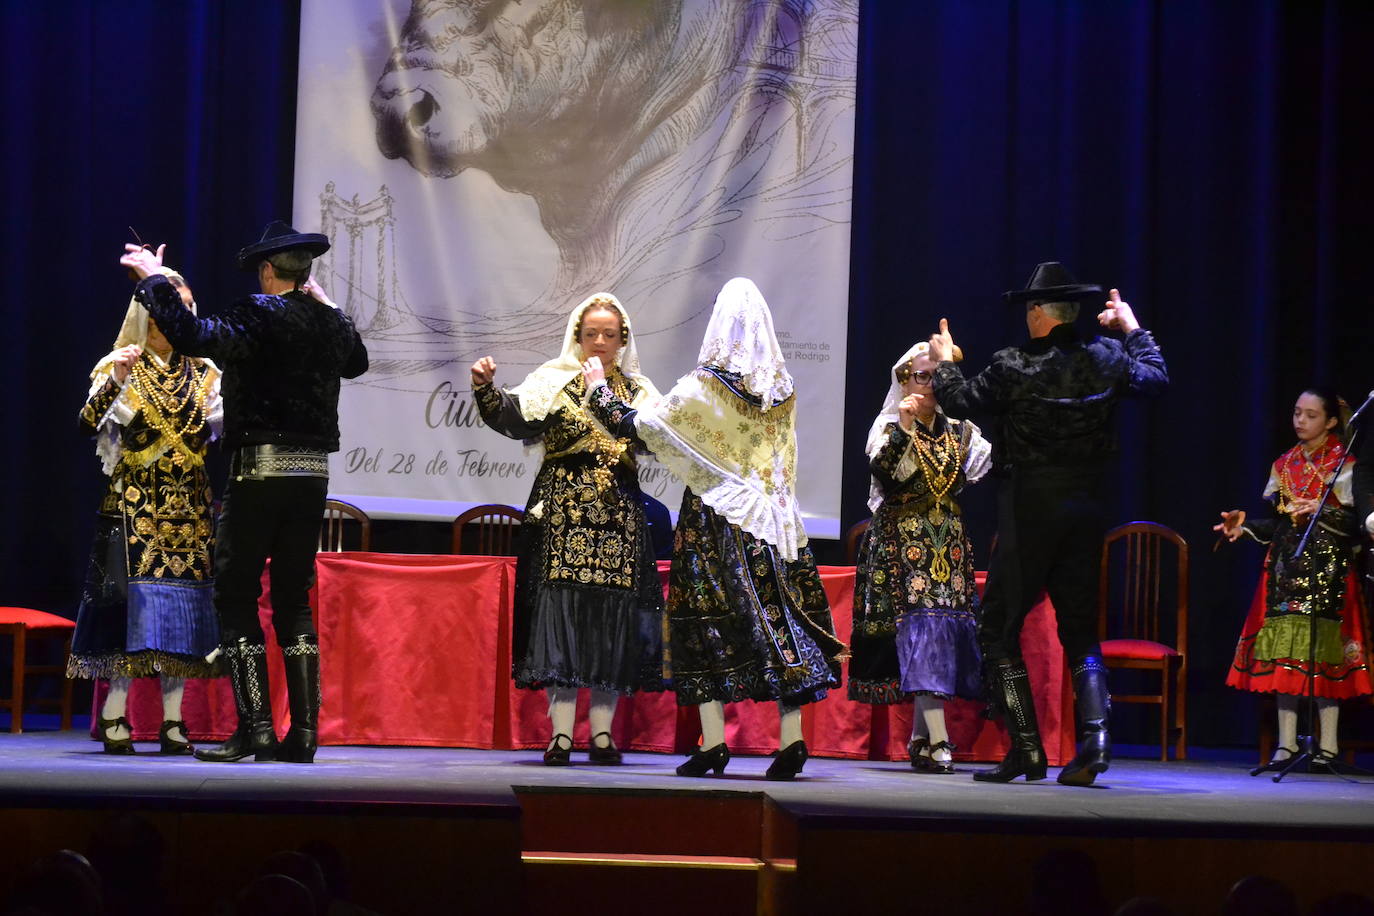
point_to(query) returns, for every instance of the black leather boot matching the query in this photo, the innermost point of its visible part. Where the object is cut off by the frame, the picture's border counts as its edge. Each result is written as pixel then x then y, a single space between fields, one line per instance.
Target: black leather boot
pixel 1092 706
pixel 302 662
pixel 1009 685
pixel 254 734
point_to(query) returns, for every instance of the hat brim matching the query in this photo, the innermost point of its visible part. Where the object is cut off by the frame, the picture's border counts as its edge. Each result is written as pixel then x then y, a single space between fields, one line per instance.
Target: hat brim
pixel 1069 293
pixel 314 242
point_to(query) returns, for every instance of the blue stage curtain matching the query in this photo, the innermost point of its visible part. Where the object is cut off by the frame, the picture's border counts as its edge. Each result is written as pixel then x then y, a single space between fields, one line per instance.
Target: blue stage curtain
pixel 1210 159
pixel 175 118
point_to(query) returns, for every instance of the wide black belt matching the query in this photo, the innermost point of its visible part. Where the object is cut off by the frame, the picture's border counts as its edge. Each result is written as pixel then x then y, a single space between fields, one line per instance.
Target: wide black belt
pixel 258 462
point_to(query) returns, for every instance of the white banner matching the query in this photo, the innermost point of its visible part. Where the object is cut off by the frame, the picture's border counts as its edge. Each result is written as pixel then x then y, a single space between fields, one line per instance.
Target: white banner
pixel 482 166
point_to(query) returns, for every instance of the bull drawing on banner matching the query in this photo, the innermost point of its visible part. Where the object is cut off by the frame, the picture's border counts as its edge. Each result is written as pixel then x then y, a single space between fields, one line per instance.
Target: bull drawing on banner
pixel 642 129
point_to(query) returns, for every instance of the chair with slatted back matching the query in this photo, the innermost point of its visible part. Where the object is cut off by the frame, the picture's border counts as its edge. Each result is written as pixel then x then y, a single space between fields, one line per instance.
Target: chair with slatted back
pixel 24 625
pixel 1144 575
pixel 494 529
pixel 339 516
pixel 852 539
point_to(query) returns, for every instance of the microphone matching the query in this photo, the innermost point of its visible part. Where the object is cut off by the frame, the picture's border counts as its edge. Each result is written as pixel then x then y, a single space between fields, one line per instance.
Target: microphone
pixel 1356 415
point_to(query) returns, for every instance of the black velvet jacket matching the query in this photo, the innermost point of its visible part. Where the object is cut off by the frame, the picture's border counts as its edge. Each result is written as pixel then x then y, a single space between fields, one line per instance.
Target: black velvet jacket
pixel 1364 470
pixel 282 358
pixel 1054 398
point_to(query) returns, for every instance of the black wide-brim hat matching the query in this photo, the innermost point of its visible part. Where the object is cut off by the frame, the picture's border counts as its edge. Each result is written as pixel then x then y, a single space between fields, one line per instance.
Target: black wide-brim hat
pixel 278 237
pixel 1051 282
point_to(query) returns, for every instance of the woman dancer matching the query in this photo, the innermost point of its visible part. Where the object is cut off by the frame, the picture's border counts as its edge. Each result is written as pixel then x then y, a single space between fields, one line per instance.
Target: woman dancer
pixel 747 616
pixel 145 609
pixel 914 591
pixel 1275 646
pixel 588 603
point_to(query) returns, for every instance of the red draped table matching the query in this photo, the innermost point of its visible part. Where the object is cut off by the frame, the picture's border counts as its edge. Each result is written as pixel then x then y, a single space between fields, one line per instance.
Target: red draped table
pixel 415 650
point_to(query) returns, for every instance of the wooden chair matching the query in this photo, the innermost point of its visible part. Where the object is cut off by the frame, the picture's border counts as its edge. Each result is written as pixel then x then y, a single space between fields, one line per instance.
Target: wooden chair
pixel 852 539
pixel 496 526
pixel 337 515
pixel 1133 602
pixel 21 624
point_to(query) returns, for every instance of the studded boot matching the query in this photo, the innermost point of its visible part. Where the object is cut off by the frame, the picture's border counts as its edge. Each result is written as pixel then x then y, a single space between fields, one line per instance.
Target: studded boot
pixel 302 661
pixel 1092 707
pixel 254 734
pixel 1010 685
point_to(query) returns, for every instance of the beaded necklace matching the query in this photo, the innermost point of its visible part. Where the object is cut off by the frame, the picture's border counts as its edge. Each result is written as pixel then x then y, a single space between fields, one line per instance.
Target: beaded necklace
pixel 1302 476
pixel 939 458
pixel 606 447
pixel 168 392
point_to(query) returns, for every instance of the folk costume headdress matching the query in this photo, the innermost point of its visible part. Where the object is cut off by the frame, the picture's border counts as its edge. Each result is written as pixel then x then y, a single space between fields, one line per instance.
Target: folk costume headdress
pixel 541 387
pixel 740 458
pixel 134 331
pixel 976 462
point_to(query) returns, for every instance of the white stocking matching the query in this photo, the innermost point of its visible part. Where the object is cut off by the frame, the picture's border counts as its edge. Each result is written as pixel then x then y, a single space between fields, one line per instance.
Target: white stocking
pixel 918 722
pixel 789 725
pixel 172 690
pixel 712 714
pixel 562 713
pixel 116 705
pixel 1288 723
pixel 601 715
pixel 932 711
pixel 1328 713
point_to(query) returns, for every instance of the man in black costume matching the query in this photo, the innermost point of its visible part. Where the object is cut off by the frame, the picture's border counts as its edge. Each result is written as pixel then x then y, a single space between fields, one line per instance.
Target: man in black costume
pixel 282 354
pixel 1364 496
pixel 1053 400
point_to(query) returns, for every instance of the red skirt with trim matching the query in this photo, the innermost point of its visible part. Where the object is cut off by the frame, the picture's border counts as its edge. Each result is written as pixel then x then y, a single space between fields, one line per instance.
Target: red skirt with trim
pixel 1351 678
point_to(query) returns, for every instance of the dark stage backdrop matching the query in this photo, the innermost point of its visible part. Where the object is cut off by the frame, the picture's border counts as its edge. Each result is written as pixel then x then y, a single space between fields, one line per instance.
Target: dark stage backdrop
pixel 1207 158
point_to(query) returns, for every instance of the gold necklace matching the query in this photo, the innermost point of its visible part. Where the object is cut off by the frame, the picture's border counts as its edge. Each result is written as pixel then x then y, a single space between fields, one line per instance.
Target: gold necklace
pixel 607 448
pixel 939 456
pixel 167 393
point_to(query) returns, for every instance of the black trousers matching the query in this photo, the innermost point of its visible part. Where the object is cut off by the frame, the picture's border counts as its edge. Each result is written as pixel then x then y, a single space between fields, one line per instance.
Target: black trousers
pixel 278 517
pixel 1050 525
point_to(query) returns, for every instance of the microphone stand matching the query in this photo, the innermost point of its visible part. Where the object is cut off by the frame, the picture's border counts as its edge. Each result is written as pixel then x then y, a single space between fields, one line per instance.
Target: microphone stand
pixel 1307 749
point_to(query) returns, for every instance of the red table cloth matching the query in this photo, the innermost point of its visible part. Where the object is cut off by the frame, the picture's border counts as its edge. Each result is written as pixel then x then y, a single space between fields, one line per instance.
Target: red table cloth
pixel 415 650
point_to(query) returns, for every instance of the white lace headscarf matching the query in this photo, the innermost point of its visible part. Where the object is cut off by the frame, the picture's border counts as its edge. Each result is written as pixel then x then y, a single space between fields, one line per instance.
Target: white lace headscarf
pixel 134 331
pixel 542 386
pixel 740 339
pixel 739 459
pixel 976 462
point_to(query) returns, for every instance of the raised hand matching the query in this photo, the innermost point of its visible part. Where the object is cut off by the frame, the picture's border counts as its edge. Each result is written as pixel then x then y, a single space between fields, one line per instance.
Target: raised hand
pixel 593 373
pixel 942 347
pixel 124 359
pixel 908 409
pixel 483 371
pixel 313 289
pixel 141 260
pixel 1118 315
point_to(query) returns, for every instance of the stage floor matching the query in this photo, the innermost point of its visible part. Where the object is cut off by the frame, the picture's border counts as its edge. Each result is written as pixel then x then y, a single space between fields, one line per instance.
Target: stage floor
pixel 67 768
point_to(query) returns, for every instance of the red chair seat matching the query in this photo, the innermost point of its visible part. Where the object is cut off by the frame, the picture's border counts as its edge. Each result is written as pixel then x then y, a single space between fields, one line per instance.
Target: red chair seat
pixel 34 620
pixel 1136 649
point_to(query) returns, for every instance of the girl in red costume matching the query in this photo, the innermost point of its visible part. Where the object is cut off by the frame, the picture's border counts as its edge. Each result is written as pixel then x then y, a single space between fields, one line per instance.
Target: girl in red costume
pixel 1275 649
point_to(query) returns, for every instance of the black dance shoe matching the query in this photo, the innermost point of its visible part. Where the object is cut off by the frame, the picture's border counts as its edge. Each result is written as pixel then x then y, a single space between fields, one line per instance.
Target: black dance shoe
pixel 1277 763
pixel 918 752
pixel 610 754
pixel 942 766
pixel 1323 763
pixel 788 763
pixel 702 762
pixel 557 755
pixel 121 746
pixel 169 745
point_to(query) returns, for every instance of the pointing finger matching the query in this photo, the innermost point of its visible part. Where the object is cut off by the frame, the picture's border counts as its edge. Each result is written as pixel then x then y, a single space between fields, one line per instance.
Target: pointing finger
pixel 1114 297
